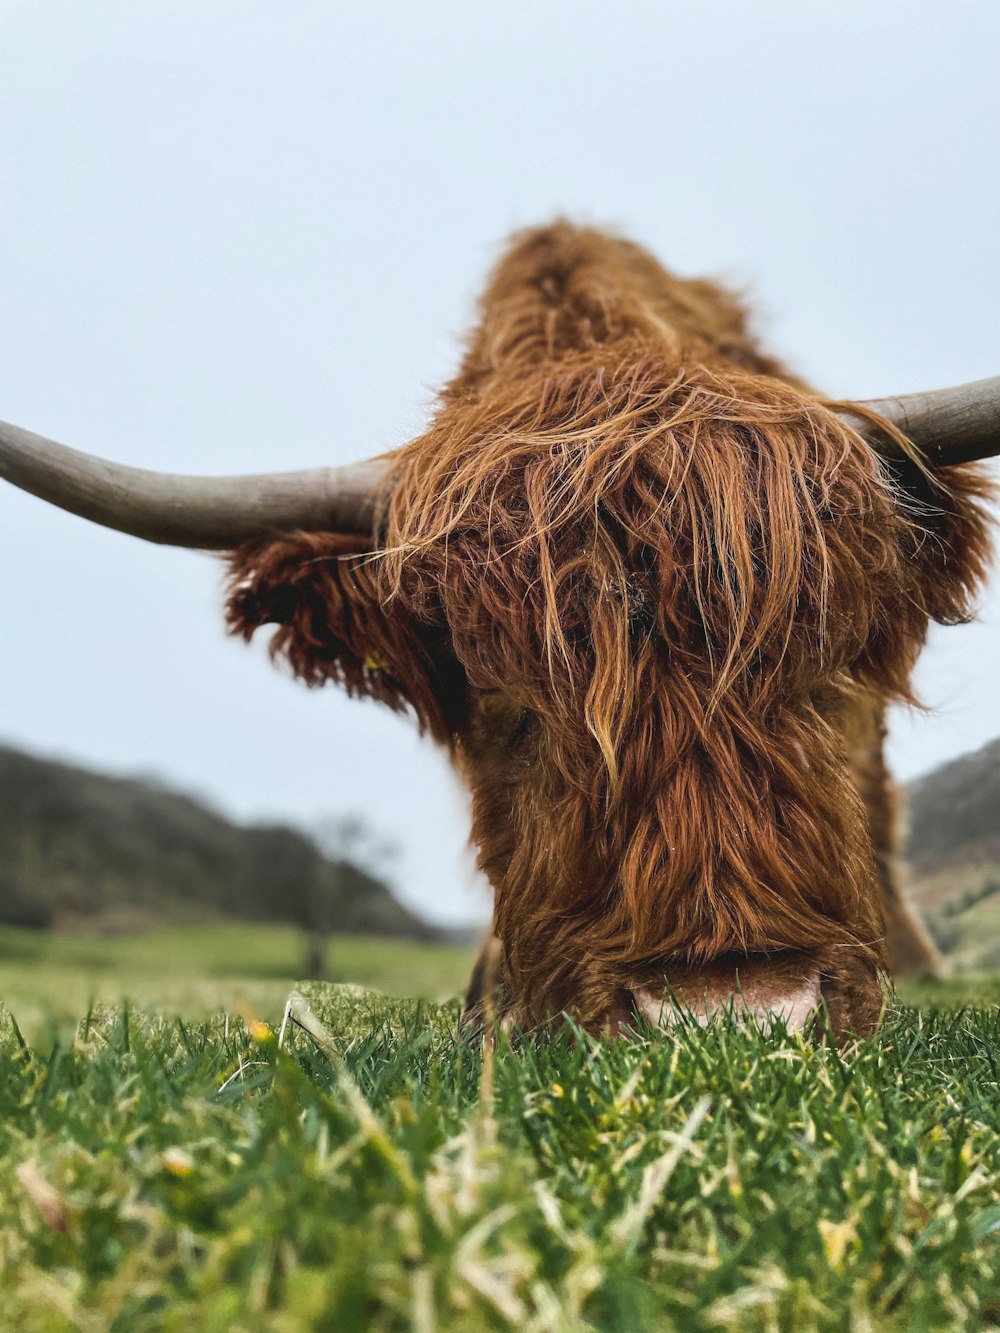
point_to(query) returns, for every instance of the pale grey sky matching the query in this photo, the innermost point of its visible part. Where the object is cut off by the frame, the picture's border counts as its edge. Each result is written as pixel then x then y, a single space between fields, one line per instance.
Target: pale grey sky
pixel 240 236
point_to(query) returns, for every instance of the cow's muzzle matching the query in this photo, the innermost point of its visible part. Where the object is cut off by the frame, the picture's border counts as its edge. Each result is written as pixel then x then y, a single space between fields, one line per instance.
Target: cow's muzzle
pixel 786 990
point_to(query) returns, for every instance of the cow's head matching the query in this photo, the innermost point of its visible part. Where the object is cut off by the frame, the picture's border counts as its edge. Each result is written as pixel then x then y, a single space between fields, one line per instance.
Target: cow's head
pixel 649 590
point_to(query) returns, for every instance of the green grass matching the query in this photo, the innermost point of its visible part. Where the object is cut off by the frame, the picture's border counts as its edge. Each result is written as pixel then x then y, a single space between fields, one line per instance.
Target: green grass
pixel 373 1174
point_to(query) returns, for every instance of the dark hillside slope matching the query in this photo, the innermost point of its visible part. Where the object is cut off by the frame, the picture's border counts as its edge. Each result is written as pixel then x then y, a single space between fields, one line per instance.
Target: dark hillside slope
pixel 79 845
pixel 955 810
pixel 953 850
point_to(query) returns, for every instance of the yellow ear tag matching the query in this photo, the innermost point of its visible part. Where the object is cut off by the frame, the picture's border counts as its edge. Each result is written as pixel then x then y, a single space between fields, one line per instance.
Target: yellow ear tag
pixel 376 662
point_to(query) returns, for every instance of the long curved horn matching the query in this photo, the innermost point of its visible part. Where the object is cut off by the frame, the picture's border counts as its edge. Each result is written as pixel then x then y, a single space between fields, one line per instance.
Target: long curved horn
pixel 947 426
pixel 210 513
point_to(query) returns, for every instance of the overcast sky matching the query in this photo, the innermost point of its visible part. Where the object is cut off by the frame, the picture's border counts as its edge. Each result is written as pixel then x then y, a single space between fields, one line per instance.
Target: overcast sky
pixel 242 236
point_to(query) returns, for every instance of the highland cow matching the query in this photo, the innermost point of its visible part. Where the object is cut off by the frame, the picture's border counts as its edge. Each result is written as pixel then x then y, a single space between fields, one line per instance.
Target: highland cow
pixel 654 595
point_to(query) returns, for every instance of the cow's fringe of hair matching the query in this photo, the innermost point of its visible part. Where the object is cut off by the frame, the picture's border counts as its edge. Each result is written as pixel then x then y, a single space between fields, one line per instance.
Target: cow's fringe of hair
pixel 639 584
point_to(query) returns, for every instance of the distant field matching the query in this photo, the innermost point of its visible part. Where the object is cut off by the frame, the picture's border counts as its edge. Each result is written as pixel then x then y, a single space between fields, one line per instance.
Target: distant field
pixel 47 977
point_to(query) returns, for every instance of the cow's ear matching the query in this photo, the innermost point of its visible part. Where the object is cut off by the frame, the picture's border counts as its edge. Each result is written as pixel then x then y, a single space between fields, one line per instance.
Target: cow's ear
pixel 948 537
pixel 336 622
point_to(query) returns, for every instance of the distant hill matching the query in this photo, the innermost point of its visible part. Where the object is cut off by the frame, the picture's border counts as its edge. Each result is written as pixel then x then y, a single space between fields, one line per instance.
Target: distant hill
pixel 80 847
pixel 954 812
pixel 953 855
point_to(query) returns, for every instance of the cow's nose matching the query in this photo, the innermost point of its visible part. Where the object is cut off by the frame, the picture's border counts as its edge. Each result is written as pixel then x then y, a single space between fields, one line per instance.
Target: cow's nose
pixel 766 988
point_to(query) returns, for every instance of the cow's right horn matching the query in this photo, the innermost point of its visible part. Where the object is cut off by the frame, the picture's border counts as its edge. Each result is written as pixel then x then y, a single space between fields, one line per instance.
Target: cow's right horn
pixel 210 513
pixel 947 426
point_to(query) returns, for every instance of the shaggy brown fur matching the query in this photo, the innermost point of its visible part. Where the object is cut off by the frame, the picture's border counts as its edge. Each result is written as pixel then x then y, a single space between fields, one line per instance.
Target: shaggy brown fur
pixel 654 595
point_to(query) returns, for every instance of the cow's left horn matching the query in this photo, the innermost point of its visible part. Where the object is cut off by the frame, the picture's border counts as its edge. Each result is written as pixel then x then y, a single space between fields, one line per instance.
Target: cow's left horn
pixel 210 513
pixel 947 426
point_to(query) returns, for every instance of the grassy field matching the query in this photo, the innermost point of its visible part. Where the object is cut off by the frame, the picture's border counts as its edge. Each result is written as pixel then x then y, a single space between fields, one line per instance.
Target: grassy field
pixel 48 980
pixel 370 1170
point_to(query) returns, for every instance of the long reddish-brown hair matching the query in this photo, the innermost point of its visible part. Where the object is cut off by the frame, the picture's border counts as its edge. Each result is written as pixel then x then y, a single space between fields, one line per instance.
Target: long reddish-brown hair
pixel 637 577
